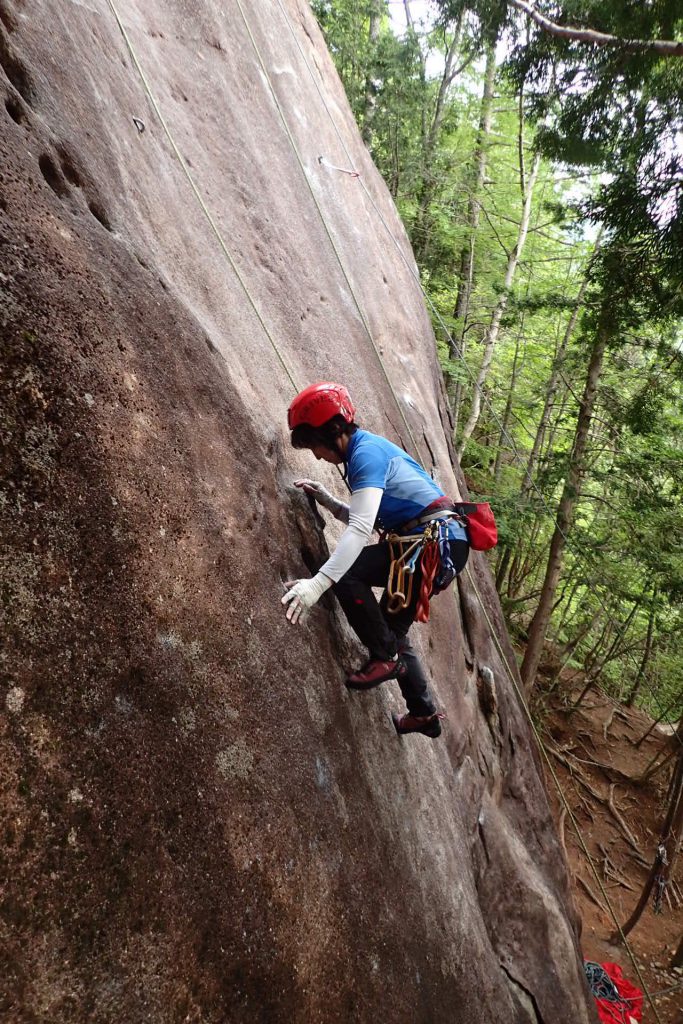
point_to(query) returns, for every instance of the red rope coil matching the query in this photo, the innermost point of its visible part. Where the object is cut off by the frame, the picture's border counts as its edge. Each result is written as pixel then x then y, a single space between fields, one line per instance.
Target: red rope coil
pixel 429 562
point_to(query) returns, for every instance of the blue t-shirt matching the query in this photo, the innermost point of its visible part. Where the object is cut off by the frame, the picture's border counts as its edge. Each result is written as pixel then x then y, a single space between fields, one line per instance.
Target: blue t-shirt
pixel 373 461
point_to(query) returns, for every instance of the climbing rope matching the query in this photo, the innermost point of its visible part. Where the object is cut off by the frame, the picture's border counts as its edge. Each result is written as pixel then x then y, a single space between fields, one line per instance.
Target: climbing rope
pixel 430 563
pixel 404 554
pixel 323 221
pixel 575 825
pixel 186 171
pixel 263 324
pixel 501 653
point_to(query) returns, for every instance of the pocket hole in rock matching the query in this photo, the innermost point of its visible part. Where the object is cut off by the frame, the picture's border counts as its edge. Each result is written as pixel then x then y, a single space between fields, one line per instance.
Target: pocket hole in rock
pixel 52 175
pixel 7 18
pixel 68 168
pixel 99 214
pixel 15 109
pixel 16 72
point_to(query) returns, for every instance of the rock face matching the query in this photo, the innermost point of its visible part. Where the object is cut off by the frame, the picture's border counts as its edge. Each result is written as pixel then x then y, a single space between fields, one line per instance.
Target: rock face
pixel 199 823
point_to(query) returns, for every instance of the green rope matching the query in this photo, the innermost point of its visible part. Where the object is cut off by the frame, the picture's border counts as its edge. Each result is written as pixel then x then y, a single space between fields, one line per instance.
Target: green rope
pixel 197 193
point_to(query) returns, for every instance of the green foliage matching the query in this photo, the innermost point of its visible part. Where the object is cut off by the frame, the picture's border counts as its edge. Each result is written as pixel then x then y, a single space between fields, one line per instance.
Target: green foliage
pixel 608 125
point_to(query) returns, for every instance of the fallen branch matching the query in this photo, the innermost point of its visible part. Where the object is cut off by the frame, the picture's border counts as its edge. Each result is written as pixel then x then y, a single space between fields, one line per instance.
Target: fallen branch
pixel 575 771
pixel 610 870
pixel 560 829
pixel 579 776
pixel 586 806
pixel 609 770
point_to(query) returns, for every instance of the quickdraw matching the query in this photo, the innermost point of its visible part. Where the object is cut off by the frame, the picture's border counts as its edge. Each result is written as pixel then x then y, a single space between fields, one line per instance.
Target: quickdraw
pixel 660 880
pixel 431 549
pixel 404 553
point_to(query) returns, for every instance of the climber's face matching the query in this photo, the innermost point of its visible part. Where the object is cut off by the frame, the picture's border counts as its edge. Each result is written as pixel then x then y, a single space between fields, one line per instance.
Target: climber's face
pixel 322 452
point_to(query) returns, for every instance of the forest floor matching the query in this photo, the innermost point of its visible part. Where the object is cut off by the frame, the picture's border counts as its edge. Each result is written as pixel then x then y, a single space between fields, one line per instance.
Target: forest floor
pixel 598 764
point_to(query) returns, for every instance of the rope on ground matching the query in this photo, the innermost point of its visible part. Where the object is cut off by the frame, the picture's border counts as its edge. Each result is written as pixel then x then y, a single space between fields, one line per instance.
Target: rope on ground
pixel 197 193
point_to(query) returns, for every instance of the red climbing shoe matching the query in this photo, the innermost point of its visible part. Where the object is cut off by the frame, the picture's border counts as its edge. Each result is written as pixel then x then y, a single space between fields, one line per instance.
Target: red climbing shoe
pixel 428 725
pixel 375 672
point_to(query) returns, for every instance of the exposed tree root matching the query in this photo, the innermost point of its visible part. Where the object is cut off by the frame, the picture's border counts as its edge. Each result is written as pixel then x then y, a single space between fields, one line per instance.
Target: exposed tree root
pixel 598 902
pixel 625 831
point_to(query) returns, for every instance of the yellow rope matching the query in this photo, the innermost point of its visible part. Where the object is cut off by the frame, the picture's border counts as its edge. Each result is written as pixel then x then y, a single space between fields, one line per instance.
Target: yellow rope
pixel 197 193
pixel 501 653
pixel 235 269
pixel 326 227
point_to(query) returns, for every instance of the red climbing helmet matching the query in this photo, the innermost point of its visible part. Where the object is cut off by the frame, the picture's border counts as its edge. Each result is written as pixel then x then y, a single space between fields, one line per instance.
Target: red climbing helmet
pixel 318 403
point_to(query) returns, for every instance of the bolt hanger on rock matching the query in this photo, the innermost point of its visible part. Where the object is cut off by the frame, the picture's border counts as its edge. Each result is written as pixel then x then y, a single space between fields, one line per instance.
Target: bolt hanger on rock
pixel 333 167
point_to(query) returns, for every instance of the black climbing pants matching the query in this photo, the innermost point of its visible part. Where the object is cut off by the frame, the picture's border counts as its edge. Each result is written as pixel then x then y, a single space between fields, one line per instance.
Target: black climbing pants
pixel 384 633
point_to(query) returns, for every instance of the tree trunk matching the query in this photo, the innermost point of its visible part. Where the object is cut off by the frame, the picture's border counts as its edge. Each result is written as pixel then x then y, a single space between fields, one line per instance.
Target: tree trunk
pixel 421 225
pixel 564 516
pixel 573 583
pixel 592 668
pixel 615 649
pixel 466 272
pixel 551 389
pixel 500 447
pixel 635 689
pixel 370 106
pixel 669 837
pixel 491 336
pixel 664 713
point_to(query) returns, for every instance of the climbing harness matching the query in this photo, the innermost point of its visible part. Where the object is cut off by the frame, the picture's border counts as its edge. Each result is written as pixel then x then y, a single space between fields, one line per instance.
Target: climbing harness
pixel 413 272
pixel 431 550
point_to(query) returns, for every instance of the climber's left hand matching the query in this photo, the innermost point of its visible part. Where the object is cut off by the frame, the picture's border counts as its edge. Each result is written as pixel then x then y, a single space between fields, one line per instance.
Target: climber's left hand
pixel 302 595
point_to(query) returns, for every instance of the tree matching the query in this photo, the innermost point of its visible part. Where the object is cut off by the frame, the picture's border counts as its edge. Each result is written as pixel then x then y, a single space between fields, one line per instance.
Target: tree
pixel 664 47
pixel 565 508
pixel 449 146
pixel 491 336
pixel 669 840
pixel 465 281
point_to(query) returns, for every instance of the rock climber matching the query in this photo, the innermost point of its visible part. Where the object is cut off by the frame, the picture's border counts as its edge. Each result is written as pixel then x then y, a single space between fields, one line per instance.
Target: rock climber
pixel 390 491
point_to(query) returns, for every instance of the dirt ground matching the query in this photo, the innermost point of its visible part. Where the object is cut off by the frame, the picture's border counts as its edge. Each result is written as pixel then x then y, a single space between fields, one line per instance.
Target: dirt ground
pixel 598 745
